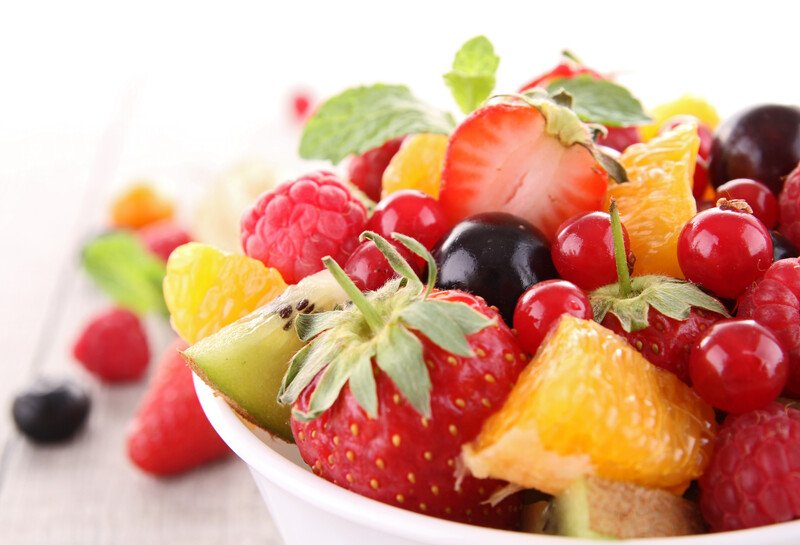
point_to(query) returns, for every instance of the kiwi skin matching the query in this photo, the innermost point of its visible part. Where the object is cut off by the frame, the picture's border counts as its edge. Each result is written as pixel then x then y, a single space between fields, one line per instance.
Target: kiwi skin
pixel 601 509
pixel 245 361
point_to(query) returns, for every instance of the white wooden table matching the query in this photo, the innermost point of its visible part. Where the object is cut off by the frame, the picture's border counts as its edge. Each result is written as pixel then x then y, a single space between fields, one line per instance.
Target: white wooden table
pixel 87 492
pixel 93 94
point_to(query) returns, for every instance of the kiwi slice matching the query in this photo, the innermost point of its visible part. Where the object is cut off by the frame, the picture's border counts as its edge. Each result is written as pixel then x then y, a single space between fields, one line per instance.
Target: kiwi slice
pixel 597 508
pixel 245 361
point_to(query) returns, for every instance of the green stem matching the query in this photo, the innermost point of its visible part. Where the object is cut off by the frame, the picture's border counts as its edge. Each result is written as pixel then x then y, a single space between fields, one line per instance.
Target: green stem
pixel 623 275
pixel 359 300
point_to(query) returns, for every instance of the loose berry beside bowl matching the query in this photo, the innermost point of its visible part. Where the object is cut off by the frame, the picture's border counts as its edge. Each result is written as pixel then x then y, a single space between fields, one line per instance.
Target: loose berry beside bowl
pixel 113 346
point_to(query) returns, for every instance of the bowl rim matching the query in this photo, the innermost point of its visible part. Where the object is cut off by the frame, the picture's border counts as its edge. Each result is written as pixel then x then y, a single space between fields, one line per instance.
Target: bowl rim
pixel 414 526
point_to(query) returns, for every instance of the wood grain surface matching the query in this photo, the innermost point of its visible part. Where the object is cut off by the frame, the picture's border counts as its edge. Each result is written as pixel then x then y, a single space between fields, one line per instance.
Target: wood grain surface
pixel 86 492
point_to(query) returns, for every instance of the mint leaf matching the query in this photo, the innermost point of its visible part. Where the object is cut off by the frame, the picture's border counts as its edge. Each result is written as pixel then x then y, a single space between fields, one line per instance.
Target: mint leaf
pixel 601 101
pixel 126 272
pixel 363 118
pixel 472 78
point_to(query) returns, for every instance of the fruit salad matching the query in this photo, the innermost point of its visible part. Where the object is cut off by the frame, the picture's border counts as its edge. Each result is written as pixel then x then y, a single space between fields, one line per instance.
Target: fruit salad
pixel 554 312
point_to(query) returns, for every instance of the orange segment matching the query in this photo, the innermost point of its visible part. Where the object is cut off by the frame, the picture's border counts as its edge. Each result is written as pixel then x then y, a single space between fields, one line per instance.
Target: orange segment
pixel 140 205
pixel 417 165
pixel 657 201
pixel 590 404
pixel 206 289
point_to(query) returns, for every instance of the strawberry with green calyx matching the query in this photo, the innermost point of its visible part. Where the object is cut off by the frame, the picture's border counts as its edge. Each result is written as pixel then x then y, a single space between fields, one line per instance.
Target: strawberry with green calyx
pixel 391 386
pixel 660 316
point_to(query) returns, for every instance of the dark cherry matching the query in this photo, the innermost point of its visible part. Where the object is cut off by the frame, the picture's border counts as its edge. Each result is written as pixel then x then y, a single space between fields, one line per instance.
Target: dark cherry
pixel 50 412
pixel 495 255
pixel 761 143
pixel 782 248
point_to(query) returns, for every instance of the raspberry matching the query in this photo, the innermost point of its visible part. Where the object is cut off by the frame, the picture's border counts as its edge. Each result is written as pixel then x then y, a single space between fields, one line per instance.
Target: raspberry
pixel 163 237
pixel 113 346
pixel 366 170
pixel 774 302
pixel 294 226
pixel 790 207
pixel 753 478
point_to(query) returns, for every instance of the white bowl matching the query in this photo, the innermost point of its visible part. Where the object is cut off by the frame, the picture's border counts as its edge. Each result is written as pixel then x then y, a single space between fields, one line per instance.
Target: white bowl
pixel 310 510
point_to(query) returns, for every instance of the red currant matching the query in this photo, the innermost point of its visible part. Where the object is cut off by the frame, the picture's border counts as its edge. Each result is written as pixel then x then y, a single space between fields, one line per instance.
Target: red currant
pixel 368 268
pixel 412 213
pixel 583 250
pixel 724 249
pixel 757 195
pixel 366 170
pixel 738 366
pixel 619 138
pixel 301 105
pixel 540 307
pixel 706 135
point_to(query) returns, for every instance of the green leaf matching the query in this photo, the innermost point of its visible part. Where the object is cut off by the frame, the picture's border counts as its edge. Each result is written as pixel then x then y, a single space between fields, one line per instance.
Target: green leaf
pixel 436 325
pixel 399 355
pixel 472 77
pixel 394 258
pixel 305 365
pixel 362 118
pixel 671 297
pixel 601 101
pixel 295 365
pixel 362 384
pixel 468 319
pixel 121 266
pixel 309 326
pixel 330 384
pixel 417 248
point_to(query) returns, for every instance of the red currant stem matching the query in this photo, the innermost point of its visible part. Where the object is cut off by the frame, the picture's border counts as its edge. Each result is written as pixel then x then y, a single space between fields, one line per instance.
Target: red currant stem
pixel 623 275
pixel 359 300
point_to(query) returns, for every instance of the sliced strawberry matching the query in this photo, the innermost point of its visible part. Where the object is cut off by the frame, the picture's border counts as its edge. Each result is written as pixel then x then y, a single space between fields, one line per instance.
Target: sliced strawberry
pixel 502 158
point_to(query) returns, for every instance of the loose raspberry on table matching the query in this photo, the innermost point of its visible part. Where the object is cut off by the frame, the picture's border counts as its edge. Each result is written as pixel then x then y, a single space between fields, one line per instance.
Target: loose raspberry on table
pixel 113 346
pixel 294 226
pixel 753 478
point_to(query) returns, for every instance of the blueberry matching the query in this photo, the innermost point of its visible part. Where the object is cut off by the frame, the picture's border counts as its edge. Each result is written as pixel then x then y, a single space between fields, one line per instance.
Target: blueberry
pixel 782 248
pixel 494 255
pixel 50 412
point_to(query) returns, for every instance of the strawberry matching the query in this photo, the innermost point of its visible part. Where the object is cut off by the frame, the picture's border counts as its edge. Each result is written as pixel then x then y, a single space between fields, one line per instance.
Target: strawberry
pixel 569 67
pixel 393 385
pixel 617 138
pixel 113 346
pixel 531 157
pixel 170 433
pixel 660 316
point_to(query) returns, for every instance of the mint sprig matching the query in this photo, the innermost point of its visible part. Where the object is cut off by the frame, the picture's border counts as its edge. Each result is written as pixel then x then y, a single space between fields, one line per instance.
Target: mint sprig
pixel 601 101
pixel 472 77
pixel 121 266
pixel 363 118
